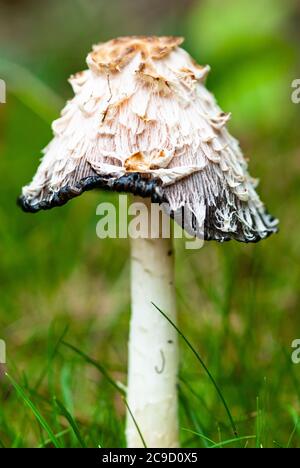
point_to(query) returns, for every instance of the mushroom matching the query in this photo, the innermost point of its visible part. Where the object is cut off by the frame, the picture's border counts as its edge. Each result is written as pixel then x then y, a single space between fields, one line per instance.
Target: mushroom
pixel 142 121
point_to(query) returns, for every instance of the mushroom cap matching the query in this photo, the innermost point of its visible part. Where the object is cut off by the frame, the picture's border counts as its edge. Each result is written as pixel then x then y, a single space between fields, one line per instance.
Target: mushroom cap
pixel 142 121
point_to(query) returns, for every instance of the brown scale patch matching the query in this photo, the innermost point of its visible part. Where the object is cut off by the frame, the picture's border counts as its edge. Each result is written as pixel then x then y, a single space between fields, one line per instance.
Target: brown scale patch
pixel 188 72
pixel 148 73
pixel 139 162
pixel 117 53
pixel 136 163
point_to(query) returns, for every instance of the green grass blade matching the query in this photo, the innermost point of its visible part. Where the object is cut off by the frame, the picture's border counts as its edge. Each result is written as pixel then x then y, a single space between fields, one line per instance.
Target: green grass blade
pixel 194 393
pixel 198 357
pixel 58 435
pixel 278 445
pixel 97 366
pixel 66 387
pixel 190 414
pixel 202 436
pixel 292 435
pixel 135 423
pixel 233 441
pixel 43 423
pixel 224 442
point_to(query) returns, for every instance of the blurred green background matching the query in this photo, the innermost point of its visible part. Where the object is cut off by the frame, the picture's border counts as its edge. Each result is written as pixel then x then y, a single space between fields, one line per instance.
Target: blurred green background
pixel 238 304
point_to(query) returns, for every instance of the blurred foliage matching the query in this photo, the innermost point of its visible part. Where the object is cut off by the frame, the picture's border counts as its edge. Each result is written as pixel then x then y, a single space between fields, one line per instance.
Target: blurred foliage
pixel 238 304
pixel 252 50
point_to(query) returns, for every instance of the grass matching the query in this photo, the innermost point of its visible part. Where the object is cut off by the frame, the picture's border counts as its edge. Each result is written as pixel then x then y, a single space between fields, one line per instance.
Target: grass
pixel 61 410
pixel 238 305
pixel 53 423
pixel 210 376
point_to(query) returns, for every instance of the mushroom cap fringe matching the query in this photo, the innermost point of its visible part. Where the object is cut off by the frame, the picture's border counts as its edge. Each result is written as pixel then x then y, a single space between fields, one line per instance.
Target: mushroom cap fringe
pixel 142 121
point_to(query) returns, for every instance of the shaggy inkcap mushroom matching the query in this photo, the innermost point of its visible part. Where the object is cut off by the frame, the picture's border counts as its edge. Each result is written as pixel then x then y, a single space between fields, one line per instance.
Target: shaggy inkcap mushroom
pixel 142 121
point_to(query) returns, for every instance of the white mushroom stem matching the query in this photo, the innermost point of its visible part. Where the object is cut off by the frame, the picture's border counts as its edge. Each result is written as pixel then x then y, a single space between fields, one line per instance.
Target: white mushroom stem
pixel 153 346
